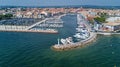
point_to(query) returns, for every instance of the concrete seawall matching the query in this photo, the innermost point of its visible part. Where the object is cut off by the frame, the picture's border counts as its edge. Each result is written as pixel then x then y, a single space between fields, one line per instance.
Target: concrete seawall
pixel 107 33
pixel 11 28
pixel 75 45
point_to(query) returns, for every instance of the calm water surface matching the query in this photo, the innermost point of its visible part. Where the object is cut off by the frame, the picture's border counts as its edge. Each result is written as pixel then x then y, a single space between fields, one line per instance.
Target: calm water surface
pixel 33 49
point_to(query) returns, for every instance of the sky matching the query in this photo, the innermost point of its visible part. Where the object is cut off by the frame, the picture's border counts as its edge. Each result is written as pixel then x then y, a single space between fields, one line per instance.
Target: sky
pixel 58 2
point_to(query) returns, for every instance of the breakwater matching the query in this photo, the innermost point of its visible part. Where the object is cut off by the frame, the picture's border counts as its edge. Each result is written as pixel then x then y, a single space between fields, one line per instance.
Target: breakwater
pixel 23 29
pixel 61 47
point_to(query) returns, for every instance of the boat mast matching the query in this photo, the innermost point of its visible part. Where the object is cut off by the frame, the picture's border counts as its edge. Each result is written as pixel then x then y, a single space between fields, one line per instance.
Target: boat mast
pixel 58 42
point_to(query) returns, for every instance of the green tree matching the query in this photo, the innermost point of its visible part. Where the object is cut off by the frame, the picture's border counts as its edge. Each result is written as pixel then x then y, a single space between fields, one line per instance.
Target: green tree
pixel 102 17
pixel 6 16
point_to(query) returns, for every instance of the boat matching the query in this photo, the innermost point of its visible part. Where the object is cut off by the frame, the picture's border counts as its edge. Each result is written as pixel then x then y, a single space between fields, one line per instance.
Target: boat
pixel 79 35
pixel 69 40
pixel 86 34
pixel 81 30
pixel 63 41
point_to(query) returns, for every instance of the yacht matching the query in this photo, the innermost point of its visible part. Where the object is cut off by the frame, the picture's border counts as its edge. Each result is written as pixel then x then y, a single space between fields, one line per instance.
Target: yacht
pixel 63 41
pixel 68 40
pixel 79 35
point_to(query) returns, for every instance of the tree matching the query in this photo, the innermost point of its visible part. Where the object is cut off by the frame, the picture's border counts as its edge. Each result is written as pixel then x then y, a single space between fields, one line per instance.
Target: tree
pixel 102 18
pixel 6 16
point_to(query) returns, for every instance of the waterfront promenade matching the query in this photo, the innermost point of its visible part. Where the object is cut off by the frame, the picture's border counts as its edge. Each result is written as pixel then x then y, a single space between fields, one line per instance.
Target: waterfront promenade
pixel 102 33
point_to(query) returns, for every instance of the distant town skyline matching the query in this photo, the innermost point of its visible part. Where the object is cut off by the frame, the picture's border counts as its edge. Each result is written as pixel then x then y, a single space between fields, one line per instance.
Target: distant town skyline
pixel 59 2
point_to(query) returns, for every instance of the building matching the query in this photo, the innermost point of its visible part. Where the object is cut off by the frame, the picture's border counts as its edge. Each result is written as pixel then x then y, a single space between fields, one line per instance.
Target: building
pixel 113 19
pixel 111 27
pixel 113 24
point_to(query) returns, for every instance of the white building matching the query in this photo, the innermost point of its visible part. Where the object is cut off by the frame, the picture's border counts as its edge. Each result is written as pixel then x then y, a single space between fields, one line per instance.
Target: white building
pixel 113 19
pixel 113 24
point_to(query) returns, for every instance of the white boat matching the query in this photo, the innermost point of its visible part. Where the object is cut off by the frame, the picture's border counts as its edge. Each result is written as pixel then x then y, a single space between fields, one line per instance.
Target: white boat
pixel 86 34
pixel 78 29
pixel 69 40
pixel 78 35
pixel 81 30
pixel 63 41
pixel 81 25
pixel 66 41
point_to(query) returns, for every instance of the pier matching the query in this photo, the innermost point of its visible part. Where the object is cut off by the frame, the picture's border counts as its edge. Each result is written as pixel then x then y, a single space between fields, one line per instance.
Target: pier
pixel 31 28
pixel 37 23
pixel 58 17
pixel 14 28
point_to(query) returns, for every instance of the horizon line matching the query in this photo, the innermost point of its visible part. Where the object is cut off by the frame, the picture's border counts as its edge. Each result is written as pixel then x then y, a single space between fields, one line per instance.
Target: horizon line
pixel 55 5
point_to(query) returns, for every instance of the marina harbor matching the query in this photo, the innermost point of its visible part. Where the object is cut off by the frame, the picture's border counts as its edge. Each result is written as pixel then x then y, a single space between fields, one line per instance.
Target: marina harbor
pixel 59 33
pixel 83 36
pixel 85 33
pixel 31 46
pixel 47 25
